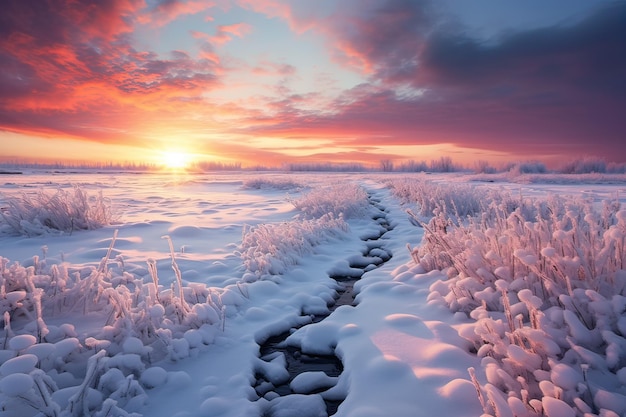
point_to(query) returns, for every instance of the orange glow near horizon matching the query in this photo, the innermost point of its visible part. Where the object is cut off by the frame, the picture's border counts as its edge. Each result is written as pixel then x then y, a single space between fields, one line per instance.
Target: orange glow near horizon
pixel 30 149
pixel 175 160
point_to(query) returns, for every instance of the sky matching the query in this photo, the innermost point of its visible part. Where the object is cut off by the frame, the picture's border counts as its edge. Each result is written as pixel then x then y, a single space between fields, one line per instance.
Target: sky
pixel 270 82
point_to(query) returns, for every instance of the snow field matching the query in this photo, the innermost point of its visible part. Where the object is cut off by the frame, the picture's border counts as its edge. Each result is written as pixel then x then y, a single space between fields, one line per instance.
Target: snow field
pixel 142 321
pixel 504 306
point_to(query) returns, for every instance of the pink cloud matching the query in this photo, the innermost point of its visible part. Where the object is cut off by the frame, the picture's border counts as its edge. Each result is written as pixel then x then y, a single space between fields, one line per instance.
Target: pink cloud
pixel 166 11
pixel 224 33
pixel 366 115
pixel 271 8
pixel 70 69
pixel 237 29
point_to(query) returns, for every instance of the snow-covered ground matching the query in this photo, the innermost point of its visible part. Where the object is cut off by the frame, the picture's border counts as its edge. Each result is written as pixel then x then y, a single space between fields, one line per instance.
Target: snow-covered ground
pixel 179 332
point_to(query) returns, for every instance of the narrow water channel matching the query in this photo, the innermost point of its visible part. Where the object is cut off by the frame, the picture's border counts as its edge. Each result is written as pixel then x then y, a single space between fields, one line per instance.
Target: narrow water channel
pixel 275 352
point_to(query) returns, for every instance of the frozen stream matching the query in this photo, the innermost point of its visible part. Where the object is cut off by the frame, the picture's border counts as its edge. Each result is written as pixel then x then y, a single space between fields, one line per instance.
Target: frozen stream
pixel 325 368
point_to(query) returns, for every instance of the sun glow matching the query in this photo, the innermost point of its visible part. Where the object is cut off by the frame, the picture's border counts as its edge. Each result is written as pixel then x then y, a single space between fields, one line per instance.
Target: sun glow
pixel 175 160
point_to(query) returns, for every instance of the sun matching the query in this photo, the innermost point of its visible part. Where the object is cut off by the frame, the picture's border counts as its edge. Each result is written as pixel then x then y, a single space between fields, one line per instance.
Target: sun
pixel 175 160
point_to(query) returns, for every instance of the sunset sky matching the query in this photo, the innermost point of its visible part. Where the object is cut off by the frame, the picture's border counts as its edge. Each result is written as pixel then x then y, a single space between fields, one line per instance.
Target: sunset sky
pixel 265 82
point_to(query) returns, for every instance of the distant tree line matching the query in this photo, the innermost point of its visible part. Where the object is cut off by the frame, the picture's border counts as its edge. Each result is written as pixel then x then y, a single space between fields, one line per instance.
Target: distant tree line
pixel 122 166
pixel 327 166
pixel 215 166
pixel 587 165
pixel 584 165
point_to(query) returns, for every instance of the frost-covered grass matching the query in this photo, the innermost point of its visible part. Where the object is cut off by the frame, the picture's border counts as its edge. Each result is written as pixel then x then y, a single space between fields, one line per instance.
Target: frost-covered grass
pixel 60 211
pixel 545 281
pixel 458 200
pixel 269 249
pixel 51 370
pixel 343 198
pixel 264 183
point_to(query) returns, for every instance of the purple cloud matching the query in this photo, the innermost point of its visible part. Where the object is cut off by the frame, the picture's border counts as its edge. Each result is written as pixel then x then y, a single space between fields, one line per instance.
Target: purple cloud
pixel 554 90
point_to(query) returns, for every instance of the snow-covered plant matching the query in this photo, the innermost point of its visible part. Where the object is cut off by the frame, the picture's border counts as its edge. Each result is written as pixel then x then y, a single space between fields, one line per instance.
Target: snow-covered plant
pixel 340 199
pixel 271 248
pixel 263 183
pixel 143 323
pixel 179 278
pixel 557 244
pixel 458 200
pixel 545 281
pixel 529 167
pixel 63 210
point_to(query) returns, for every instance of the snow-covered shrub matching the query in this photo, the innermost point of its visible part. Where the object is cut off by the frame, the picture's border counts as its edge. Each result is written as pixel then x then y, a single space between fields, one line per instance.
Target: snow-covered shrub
pixel 263 183
pixel 531 167
pixel 546 283
pixel 63 211
pixel 560 243
pixel 341 199
pixel 99 373
pixel 459 200
pixel 271 248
